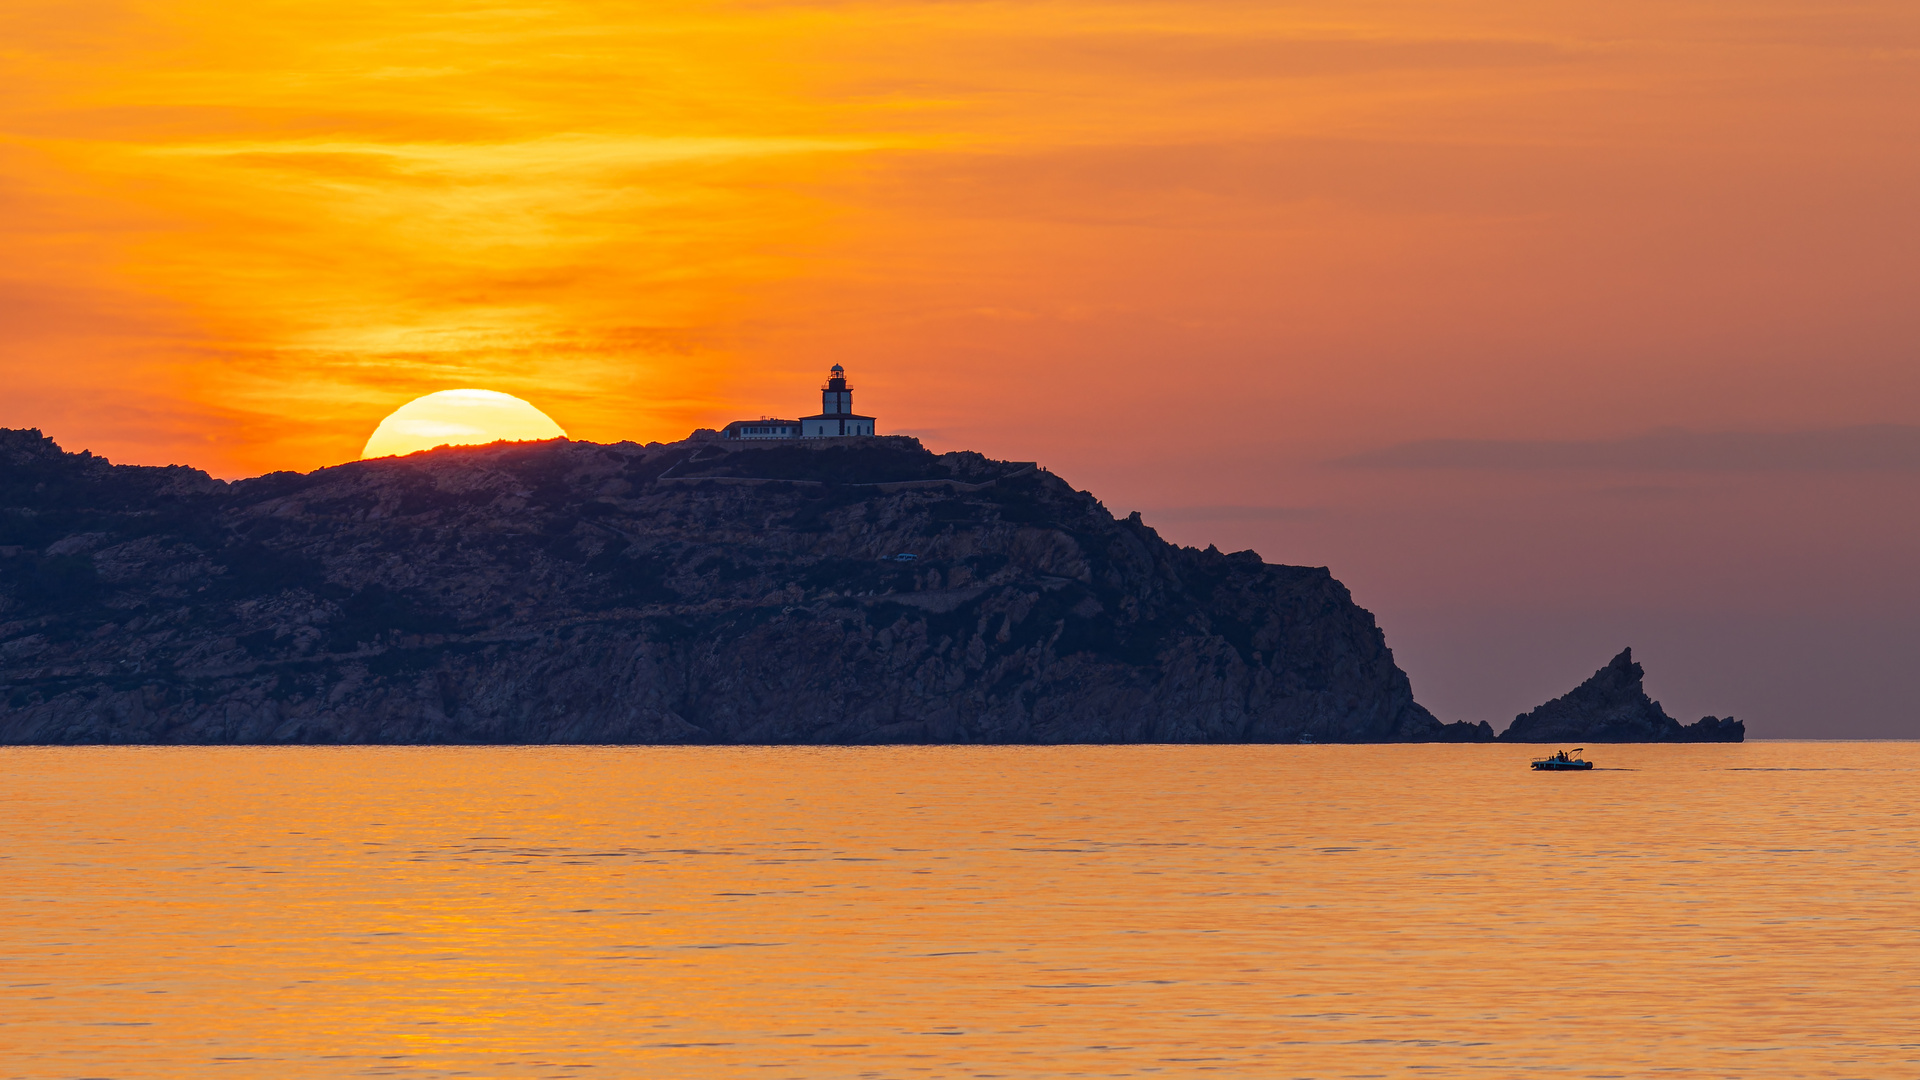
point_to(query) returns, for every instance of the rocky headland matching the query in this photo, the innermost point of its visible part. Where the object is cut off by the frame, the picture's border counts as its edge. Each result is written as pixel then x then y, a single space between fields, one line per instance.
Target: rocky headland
pixel 833 591
pixel 1613 707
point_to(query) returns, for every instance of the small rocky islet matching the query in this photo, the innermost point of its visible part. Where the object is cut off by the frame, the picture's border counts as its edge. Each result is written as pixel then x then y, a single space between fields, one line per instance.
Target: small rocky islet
pixel 1613 707
pixel 832 591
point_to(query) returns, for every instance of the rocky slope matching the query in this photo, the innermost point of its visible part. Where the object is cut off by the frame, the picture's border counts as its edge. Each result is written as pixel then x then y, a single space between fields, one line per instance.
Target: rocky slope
pixel 841 591
pixel 1613 707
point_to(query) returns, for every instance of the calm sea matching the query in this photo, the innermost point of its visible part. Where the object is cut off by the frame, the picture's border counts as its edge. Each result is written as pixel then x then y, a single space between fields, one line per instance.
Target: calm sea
pixel 1259 911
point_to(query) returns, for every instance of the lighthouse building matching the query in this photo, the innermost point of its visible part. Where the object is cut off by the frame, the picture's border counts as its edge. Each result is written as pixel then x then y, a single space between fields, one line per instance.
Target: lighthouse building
pixel 836 417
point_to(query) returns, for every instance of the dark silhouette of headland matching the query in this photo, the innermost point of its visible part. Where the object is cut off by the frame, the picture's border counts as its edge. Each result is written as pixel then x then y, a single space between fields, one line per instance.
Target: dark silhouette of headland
pixel 815 591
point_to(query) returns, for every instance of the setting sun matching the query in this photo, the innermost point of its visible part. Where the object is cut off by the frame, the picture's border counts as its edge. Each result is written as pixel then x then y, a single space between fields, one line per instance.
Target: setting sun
pixel 459 418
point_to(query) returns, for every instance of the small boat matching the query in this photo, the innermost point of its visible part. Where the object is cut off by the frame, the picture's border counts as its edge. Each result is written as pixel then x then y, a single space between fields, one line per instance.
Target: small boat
pixel 1562 761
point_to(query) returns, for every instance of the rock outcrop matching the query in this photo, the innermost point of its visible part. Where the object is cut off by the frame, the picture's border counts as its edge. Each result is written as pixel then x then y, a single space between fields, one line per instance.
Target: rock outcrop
pixel 839 591
pixel 1613 707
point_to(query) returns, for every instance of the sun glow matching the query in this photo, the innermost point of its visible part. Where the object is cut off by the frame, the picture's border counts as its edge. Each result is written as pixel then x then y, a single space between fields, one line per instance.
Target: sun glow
pixel 459 418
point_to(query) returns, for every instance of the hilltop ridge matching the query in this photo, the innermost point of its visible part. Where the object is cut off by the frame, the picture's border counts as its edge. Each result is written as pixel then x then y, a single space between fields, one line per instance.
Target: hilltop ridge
pixel 832 591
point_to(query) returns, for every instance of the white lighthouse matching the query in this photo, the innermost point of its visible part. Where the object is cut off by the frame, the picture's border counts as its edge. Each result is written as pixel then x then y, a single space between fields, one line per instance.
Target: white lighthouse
pixel 836 411
pixel 836 417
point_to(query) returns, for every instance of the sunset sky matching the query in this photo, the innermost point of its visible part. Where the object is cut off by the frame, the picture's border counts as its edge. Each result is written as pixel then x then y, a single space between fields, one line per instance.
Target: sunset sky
pixel 1549 328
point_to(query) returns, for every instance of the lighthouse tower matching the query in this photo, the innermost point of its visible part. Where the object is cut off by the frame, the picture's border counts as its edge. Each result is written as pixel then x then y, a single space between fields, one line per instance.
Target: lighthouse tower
pixel 836 411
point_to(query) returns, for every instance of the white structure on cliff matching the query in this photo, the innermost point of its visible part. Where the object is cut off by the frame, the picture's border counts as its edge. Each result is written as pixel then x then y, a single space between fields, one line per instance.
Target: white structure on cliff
pixel 836 417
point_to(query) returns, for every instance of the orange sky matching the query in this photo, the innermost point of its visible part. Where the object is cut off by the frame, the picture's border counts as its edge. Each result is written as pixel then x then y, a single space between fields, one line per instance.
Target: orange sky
pixel 1186 254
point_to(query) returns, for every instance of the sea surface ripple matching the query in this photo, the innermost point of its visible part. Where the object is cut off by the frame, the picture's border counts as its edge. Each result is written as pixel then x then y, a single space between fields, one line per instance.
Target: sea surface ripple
pixel 907 912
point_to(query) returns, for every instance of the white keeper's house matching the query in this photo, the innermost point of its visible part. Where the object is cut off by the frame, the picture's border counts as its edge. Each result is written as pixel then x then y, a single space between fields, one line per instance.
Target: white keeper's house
pixel 836 417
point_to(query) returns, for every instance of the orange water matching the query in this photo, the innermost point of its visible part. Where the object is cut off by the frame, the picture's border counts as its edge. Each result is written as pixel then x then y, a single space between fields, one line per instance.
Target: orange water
pixel 1298 911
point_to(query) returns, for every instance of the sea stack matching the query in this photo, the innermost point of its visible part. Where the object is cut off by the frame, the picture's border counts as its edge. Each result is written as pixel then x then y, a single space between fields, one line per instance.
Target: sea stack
pixel 1613 707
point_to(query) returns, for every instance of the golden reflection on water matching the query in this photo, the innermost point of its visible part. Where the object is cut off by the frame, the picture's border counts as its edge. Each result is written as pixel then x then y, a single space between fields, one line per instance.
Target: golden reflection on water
pixel 1314 911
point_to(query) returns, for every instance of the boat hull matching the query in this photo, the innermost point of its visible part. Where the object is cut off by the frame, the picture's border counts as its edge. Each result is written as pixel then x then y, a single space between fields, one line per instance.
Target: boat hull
pixel 1563 766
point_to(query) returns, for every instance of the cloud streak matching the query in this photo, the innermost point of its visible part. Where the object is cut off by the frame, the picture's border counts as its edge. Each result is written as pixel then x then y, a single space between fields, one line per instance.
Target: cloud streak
pixel 1230 513
pixel 1861 448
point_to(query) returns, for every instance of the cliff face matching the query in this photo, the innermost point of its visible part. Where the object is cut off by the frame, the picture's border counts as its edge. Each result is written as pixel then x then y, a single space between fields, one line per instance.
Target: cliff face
pixel 1613 707
pixel 684 593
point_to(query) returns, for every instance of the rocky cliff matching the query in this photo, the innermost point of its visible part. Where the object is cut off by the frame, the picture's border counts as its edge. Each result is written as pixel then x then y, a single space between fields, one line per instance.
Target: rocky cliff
pixel 839 591
pixel 1613 707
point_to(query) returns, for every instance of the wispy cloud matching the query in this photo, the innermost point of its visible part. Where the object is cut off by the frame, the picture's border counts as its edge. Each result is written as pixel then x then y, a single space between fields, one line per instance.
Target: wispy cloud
pixel 1863 448
pixel 518 158
pixel 1230 513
